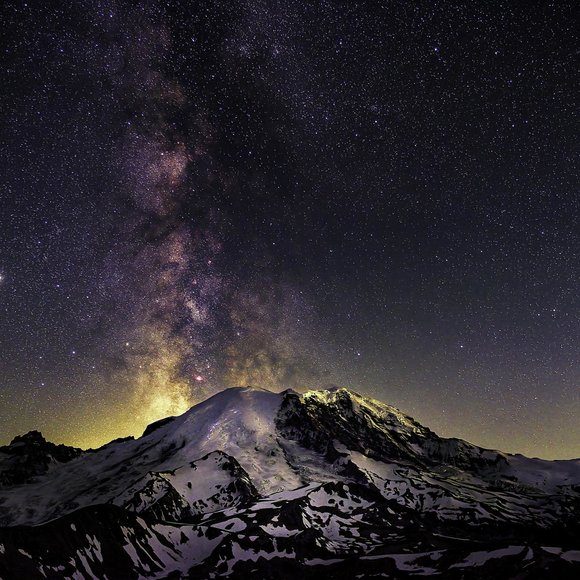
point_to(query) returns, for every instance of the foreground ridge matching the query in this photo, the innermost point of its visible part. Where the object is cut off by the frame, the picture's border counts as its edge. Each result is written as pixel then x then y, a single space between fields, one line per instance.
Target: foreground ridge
pixel 283 485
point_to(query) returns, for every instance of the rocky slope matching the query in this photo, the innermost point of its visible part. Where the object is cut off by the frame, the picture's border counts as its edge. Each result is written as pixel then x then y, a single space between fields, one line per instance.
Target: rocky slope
pixel 278 485
pixel 30 455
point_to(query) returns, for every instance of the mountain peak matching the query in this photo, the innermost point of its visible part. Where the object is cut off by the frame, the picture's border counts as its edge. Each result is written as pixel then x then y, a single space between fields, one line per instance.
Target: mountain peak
pixel 31 455
pixel 31 437
pixel 249 478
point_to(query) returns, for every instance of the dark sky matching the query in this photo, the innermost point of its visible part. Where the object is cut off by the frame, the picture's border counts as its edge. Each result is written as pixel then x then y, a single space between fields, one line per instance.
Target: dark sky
pixel 383 196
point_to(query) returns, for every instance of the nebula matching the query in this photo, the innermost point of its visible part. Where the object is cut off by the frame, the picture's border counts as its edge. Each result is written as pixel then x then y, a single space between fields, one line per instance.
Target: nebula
pixel 182 323
pixel 159 276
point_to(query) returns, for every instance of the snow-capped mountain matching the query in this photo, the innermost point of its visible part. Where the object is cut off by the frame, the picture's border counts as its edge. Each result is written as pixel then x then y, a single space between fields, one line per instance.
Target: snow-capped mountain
pixel 257 484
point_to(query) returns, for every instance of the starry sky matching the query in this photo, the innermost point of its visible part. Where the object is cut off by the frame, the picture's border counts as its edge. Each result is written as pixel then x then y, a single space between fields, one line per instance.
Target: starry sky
pixel 290 194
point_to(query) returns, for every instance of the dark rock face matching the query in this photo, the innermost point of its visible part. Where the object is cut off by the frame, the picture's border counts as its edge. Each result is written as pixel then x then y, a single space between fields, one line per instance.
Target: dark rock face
pixel 372 493
pixel 384 437
pixel 316 424
pixel 90 541
pixel 156 425
pixel 31 455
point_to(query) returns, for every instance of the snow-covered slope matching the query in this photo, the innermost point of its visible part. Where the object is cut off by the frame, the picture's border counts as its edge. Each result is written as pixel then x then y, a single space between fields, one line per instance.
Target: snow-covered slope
pixel 238 422
pixel 315 479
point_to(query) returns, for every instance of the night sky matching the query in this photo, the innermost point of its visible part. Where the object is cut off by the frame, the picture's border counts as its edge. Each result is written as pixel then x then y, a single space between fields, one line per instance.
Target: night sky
pixel 202 194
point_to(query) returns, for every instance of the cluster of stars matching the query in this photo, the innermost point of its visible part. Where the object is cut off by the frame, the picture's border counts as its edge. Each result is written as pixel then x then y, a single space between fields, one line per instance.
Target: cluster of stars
pixel 289 194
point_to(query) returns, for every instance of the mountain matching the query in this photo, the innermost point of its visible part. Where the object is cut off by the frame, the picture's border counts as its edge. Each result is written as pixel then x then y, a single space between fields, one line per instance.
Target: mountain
pixel 30 455
pixel 255 484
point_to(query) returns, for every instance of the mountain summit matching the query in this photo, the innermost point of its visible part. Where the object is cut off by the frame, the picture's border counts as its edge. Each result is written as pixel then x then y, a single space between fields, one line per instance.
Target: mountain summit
pixel 251 483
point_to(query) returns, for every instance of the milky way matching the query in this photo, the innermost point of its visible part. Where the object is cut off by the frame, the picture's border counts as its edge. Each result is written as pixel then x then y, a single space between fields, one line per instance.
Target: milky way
pixel 161 275
pixel 184 324
pixel 290 194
